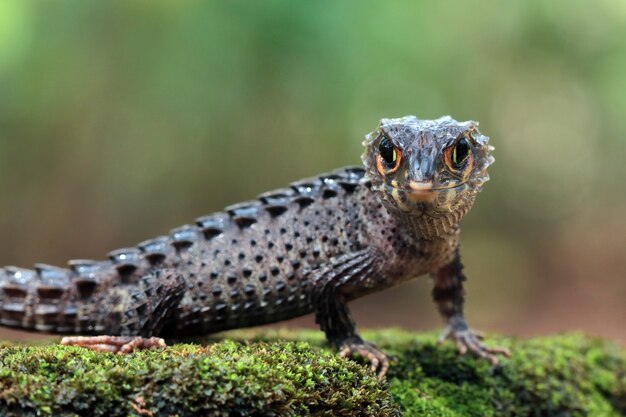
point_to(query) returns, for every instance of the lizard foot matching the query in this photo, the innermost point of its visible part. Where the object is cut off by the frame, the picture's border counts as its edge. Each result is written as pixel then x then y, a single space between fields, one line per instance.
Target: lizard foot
pixel 470 340
pixel 378 360
pixel 114 344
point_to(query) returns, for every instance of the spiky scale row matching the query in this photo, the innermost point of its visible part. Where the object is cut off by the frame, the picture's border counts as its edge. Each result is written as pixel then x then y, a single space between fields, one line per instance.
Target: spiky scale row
pixel 156 250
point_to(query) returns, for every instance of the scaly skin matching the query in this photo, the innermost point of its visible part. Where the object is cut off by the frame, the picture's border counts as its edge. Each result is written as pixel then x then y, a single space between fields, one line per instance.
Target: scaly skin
pixel 311 247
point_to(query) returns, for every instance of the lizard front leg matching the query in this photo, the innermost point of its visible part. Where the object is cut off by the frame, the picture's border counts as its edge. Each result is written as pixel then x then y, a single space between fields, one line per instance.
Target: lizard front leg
pixel 134 313
pixel 333 316
pixel 449 295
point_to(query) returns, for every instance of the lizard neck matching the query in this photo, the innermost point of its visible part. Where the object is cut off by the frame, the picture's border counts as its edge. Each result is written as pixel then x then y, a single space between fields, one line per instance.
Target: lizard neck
pixel 426 226
pixel 427 220
pixel 418 225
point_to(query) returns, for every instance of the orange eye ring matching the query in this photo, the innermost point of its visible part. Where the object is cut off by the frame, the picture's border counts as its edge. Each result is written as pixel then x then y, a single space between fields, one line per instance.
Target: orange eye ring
pixel 459 158
pixel 388 158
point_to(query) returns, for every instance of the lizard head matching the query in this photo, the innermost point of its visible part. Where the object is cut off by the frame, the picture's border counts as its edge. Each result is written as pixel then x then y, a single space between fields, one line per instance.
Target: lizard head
pixel 431 167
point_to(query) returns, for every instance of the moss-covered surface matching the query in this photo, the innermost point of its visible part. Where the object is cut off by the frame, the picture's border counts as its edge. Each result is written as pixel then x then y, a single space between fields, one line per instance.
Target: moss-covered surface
pixel 292 373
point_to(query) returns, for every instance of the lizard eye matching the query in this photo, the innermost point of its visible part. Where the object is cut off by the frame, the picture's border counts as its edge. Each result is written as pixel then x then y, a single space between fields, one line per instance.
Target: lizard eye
pixel 389 157
pixel 458 157
pixel 460 153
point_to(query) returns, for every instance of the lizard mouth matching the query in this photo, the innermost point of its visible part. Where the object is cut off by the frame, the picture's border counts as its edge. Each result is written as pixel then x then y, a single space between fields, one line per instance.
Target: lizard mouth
pixel 417 192
pixel 426 188
pixel 420 192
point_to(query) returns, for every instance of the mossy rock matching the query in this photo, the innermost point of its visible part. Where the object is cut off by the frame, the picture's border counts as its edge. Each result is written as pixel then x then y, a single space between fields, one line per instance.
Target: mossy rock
pixel 274 373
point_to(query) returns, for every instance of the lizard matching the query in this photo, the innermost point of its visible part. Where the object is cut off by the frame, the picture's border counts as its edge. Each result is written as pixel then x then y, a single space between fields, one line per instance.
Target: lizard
pixel 309 248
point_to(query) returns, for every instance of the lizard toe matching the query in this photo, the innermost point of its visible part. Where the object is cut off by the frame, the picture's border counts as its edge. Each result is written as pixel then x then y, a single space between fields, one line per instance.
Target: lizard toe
pixel 114 344
pixel 379 361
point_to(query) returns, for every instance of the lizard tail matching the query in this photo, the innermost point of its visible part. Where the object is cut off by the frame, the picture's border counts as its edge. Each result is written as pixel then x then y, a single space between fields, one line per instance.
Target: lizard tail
pixel 72 300
pixel 52 299
pixel 76 299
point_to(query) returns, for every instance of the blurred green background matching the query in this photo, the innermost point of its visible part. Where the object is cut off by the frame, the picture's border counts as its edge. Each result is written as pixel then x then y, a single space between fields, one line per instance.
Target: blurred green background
pixel 122 120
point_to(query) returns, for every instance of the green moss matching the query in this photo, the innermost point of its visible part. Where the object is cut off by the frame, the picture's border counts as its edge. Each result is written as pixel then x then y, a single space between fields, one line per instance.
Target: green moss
pixel 566 375
pixel 291 373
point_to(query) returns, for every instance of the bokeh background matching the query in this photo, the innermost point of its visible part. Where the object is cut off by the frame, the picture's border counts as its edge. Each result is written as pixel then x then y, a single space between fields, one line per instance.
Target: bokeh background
pixel 122 120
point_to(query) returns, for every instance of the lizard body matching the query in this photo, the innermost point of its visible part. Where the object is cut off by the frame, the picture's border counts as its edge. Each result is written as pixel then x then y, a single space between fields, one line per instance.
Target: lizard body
pixel 311 247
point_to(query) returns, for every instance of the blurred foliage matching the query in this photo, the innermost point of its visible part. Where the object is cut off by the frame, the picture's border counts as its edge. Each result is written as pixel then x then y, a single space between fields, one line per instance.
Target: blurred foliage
pixel 120 120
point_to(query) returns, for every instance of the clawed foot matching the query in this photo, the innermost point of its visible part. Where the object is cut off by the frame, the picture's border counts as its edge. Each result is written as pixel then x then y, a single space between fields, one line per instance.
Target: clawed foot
pixel 469 340
pixel 378 360
pixel 114 344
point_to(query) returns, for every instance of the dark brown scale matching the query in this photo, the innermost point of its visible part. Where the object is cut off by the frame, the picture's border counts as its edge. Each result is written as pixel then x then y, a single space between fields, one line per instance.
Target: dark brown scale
pixel 157 250
pixel 17 297
pixel 50 290
pixel 127 262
